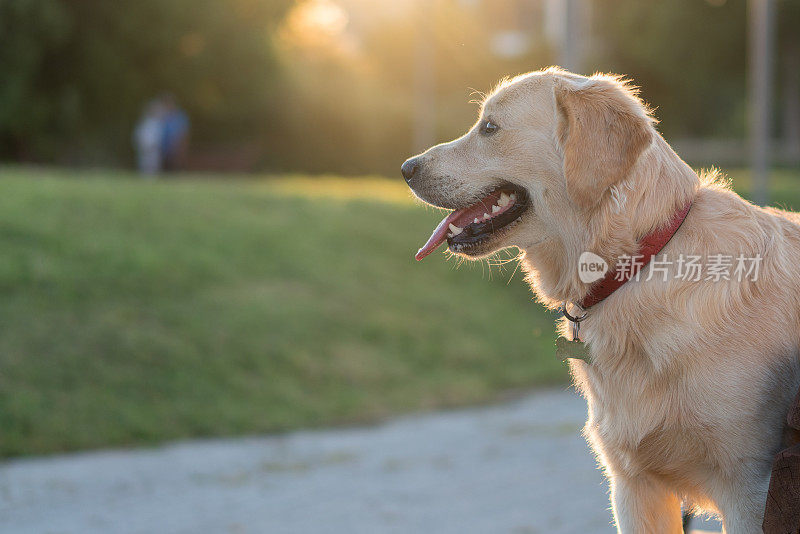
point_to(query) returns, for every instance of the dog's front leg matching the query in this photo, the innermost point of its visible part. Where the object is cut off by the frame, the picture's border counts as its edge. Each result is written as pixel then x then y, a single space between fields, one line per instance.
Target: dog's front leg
pixel 743 504
pixel 644 506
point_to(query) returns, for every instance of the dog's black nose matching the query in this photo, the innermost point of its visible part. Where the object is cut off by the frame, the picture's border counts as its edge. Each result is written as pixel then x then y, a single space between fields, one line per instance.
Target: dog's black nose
pixel 410 168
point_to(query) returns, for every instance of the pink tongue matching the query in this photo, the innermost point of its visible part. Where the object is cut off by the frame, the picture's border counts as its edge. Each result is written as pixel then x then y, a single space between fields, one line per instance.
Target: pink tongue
pixel 438 236
pixel 460 218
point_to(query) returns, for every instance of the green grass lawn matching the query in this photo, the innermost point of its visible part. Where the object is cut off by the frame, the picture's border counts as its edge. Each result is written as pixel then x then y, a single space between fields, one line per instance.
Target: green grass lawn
pixel 136 311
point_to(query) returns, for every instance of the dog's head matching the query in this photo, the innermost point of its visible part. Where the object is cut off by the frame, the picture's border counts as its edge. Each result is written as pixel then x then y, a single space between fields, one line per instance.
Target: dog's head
pixel 545 154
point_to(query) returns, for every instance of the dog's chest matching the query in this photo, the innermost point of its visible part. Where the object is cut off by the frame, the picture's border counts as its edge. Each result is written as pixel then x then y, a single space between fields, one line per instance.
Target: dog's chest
pixel 626 424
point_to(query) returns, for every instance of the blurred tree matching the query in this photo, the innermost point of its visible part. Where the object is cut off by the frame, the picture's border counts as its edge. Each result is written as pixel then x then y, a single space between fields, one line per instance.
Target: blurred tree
pixel 687 55
pixel 76 73
pixel 355 83
pixel 29 31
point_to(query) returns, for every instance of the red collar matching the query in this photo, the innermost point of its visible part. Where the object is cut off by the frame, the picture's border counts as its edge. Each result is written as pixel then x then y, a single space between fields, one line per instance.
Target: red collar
pixel 649 246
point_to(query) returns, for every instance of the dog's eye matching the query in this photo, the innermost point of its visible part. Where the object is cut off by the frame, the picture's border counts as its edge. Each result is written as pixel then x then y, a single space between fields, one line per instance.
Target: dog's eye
pixel 488 128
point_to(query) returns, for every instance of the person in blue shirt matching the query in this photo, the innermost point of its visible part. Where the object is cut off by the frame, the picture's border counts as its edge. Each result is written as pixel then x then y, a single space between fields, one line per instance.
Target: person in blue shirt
pixel 174 134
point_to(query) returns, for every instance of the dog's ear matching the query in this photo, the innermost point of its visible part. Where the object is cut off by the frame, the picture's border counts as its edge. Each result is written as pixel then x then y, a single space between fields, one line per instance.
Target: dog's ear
pixel 603 127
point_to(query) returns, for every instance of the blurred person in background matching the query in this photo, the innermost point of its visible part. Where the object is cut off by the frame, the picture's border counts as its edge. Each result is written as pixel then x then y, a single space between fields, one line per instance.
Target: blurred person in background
pixel 147 138
pixel 174 134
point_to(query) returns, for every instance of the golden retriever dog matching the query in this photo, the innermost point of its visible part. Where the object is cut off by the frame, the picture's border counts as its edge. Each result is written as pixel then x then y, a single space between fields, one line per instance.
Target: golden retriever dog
pixel 688 378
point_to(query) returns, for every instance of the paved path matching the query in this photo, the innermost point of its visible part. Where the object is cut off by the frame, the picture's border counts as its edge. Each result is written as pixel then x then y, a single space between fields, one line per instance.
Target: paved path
pixel 520 467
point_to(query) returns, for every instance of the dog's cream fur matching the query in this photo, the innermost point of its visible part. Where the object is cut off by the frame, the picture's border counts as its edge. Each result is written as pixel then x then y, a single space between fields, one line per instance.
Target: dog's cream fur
pixel 689 382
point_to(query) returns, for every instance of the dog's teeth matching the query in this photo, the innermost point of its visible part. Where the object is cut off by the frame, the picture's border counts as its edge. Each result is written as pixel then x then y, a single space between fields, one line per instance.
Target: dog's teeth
pixel 513 196
pixel 455 229
pixel 476 220
pixel 486 216
pixel 495 208
pixel 504 200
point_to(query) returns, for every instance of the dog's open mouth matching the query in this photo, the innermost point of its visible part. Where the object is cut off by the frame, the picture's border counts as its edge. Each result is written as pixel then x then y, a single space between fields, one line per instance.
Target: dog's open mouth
pixel 468 229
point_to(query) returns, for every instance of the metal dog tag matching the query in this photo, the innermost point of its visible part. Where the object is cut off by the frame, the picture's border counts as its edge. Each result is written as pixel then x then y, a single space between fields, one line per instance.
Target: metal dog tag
pixel 566 349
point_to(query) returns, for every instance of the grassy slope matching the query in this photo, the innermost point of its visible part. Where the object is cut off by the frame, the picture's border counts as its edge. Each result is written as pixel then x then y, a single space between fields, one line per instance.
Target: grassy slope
pixel 137 311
